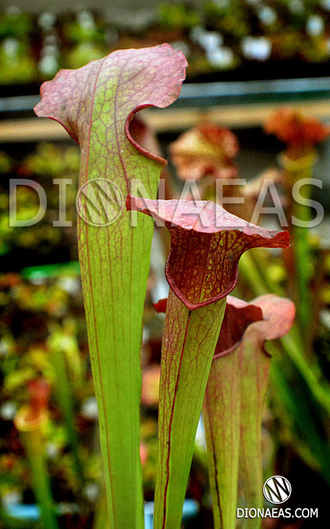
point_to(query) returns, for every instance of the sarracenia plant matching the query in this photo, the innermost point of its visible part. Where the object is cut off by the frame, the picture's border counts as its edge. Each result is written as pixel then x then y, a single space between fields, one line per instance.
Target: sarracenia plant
pixel 296 370
pixel 96 104
pixel 234 402
pixel 202 268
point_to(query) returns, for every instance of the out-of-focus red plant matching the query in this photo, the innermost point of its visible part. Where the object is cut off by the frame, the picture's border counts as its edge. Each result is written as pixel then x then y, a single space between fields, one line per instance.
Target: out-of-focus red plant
pixel 33 415
pixel 300 133
pixel 205 150
pixel 143 453
pixel 251 192
pixel 30 421
pixel 39 391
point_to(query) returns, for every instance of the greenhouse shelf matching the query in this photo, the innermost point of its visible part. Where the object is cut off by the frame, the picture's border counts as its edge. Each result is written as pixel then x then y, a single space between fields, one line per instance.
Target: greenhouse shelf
pixel 232 104
pixel 220 93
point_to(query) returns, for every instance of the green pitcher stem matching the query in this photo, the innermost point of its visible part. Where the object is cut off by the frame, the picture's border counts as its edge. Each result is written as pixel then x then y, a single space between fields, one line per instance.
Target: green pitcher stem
pixel 189 342
pixel 232 411
pixel 221 414
pixel 101 517
pixel 114 284
pixel 255 365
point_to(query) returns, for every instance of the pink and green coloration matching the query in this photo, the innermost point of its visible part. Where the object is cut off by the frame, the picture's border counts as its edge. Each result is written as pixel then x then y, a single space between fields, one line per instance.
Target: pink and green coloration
pixel 206 245
pixel 235 399
pixel 96 104
pixel 202 268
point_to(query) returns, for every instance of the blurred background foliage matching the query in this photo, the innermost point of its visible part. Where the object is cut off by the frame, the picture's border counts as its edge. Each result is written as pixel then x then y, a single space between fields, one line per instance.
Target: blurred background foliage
pixel 42 328
pixel 264 39
pixel 43 334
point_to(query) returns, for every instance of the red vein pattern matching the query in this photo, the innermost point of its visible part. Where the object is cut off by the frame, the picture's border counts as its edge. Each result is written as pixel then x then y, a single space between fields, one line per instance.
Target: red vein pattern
pixel 235 398
pixel 96 104
pixel 206 245
pixel 188 345
pixel 238 316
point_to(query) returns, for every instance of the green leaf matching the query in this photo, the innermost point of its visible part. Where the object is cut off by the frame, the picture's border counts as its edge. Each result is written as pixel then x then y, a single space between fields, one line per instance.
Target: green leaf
pixel 96 104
